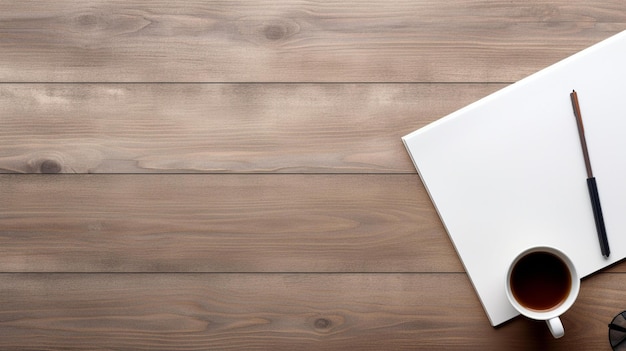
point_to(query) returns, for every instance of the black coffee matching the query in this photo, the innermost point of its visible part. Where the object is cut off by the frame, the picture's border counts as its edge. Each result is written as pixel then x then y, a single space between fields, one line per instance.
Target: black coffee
pixel 540 281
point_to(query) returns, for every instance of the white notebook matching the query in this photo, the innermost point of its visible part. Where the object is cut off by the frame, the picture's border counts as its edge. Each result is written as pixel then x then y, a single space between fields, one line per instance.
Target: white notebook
pixel 507 172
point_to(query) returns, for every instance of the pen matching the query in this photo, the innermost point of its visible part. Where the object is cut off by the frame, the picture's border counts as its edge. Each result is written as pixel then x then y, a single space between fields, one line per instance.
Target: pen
pixel 591 180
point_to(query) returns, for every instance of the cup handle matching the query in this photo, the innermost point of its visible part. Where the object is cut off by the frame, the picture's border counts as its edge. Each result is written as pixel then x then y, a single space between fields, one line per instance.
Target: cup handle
pixel 556 327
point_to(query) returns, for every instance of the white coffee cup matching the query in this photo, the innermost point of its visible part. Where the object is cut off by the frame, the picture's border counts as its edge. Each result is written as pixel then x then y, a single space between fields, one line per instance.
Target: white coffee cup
pixel 542 283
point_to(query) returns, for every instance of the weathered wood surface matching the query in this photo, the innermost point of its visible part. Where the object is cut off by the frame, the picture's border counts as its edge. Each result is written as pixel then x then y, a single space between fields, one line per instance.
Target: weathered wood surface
pixel 221 223
pixel 293 40
pixel 268 128
pixel 280 312
pixel 341 250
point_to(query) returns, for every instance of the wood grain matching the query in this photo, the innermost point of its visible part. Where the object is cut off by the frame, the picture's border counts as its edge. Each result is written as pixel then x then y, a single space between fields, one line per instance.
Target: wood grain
pixel 295 41
pixel 280 312
pixel 220 223
pixel 303 225
pixel 146 128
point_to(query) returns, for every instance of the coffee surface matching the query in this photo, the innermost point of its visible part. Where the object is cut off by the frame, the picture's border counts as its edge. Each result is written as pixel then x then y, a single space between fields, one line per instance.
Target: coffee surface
pixel 540 281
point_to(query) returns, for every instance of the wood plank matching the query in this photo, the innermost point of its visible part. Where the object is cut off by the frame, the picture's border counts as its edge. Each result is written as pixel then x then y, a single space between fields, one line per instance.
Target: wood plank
pixel 280 312
pixel 294 40
pixel 143 128
pixel 220 223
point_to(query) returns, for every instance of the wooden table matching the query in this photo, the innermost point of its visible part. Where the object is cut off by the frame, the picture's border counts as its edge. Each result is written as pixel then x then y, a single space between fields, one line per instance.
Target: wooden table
pixel 230 174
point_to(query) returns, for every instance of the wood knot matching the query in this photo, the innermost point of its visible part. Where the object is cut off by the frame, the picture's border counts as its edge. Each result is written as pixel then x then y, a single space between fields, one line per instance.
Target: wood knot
pixel 275 32
pixel 322 323
pixel 266 29
pixel 103 23
pixel 87 20
pixel 90 22
pixel 50 166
